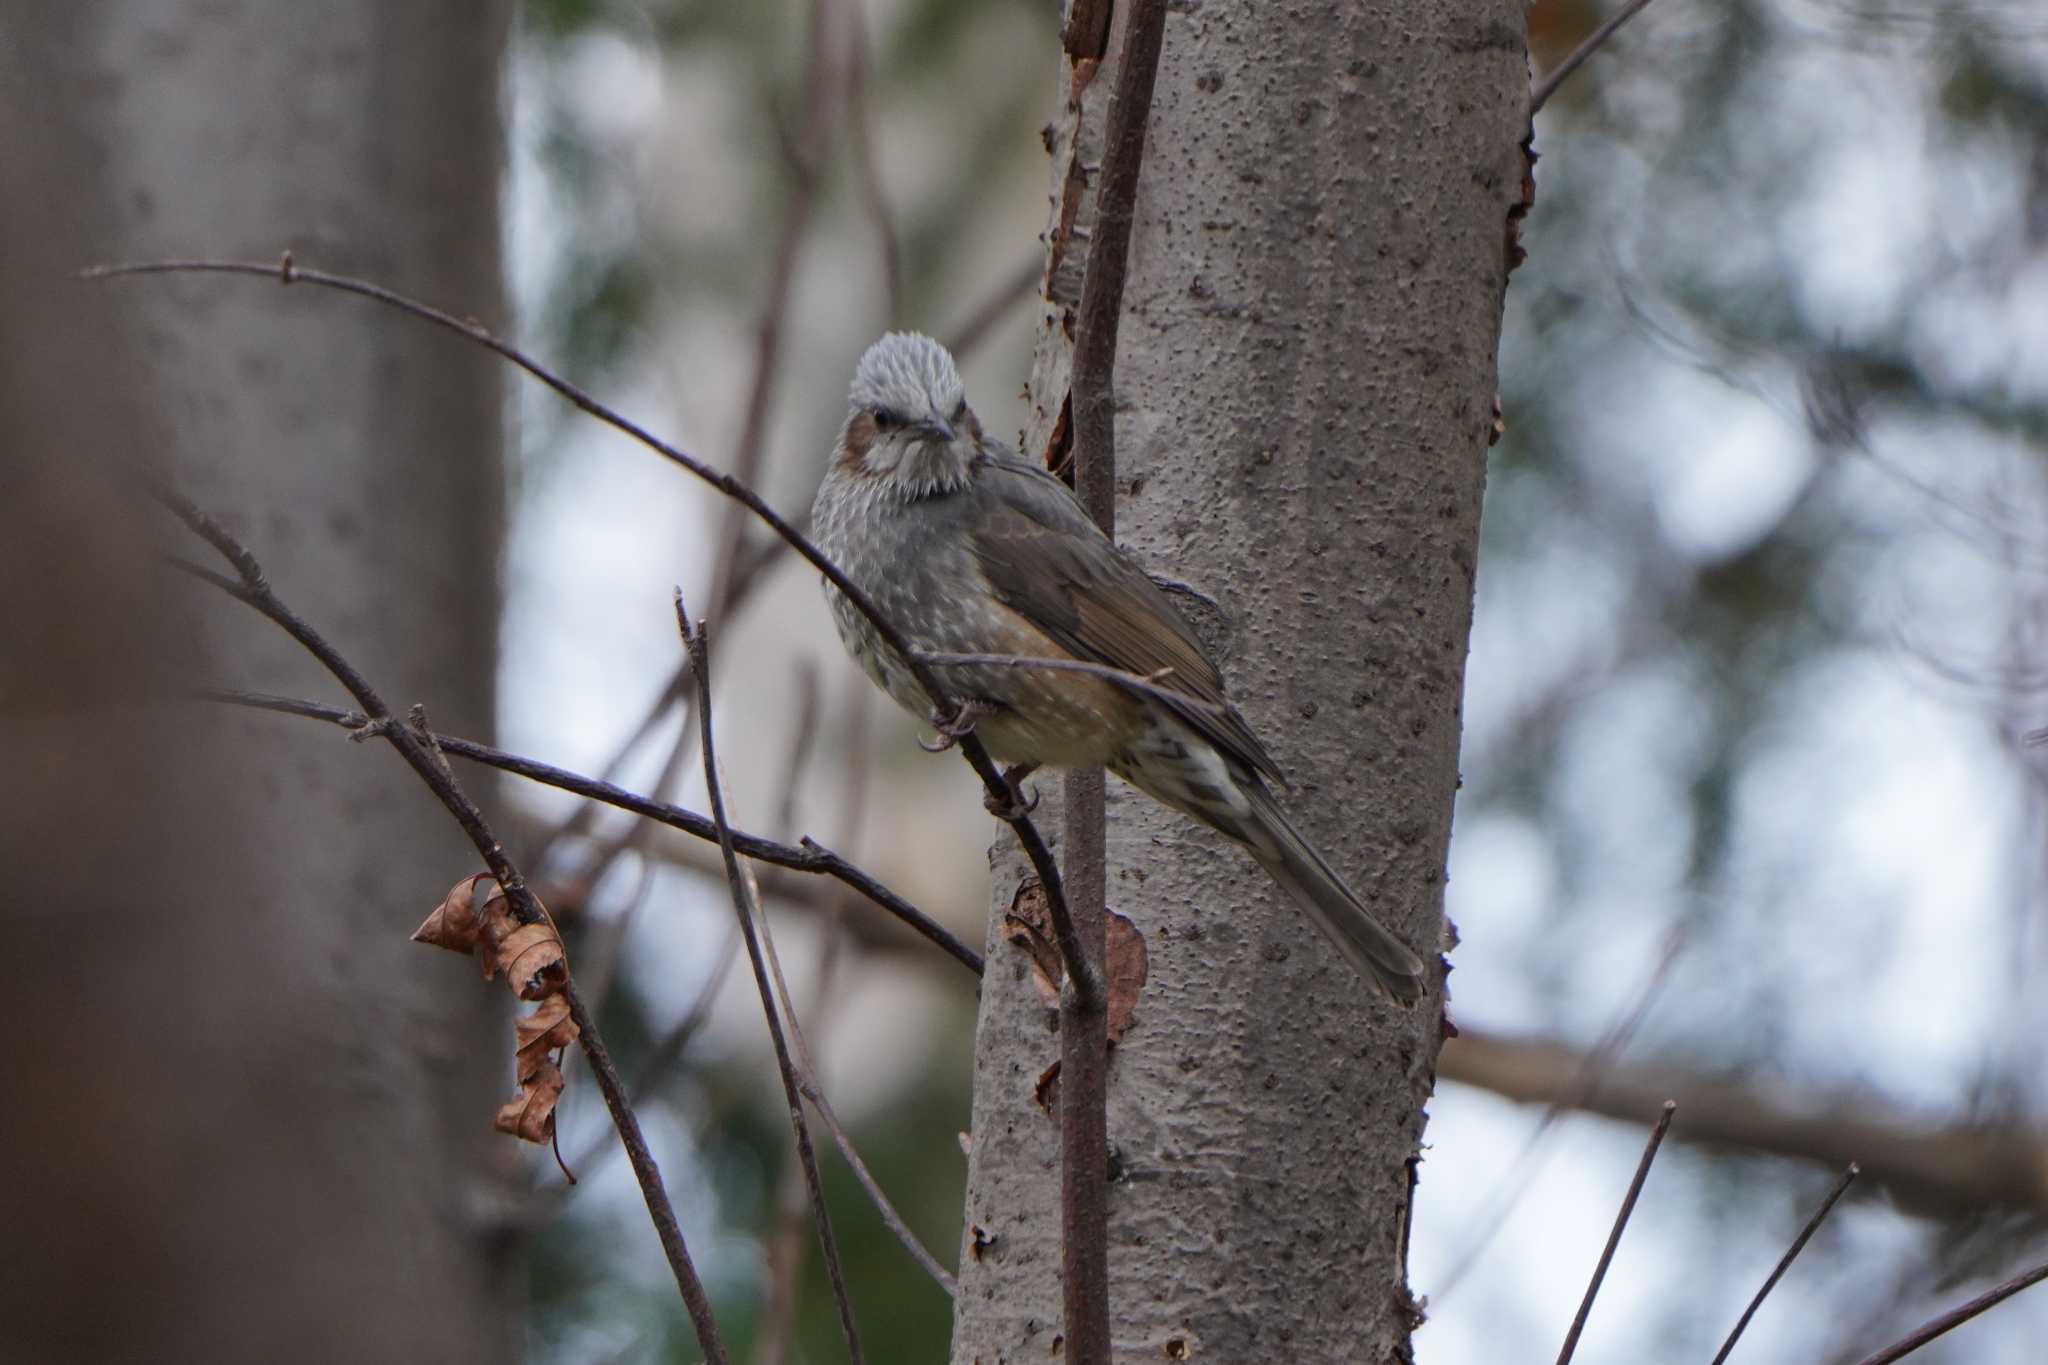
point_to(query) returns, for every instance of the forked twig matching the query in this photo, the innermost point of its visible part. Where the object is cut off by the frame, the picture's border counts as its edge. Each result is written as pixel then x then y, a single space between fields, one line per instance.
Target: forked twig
pixel 1628 1206
pixel 808 857
pixel 420 751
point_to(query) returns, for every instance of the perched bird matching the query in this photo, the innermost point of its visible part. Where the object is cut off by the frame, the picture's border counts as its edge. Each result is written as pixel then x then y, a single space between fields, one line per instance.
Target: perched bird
pixel 968 549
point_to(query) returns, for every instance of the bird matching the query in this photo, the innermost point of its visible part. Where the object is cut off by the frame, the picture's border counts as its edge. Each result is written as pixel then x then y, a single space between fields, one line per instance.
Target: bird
pixel 965 548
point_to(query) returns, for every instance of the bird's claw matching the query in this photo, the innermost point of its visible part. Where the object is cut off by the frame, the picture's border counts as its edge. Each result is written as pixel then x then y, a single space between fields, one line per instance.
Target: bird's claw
pixel 1019 803
pixel 957 726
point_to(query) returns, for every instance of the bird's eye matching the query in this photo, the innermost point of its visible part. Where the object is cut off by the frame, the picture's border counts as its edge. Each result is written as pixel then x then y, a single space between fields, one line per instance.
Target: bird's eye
pixel 959 410
pixel 886 420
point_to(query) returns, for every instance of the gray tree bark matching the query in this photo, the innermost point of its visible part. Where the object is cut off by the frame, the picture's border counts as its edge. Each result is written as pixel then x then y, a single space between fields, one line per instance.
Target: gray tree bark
pixel 1305 381
pixel 248 1121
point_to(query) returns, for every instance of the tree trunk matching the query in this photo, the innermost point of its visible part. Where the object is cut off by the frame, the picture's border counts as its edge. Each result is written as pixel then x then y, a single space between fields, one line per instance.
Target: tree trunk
pixel 248 1120
pixel 1305 382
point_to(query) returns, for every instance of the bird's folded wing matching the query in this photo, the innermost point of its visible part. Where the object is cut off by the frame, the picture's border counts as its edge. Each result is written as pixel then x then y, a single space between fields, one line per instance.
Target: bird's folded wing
pixel 1045 560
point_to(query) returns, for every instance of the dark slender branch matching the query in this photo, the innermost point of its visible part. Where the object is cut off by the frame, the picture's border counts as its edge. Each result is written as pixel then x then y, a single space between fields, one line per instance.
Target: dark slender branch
pixel 416 745
pixel 1956 1317
pixel 698 642
pixel 1079 970
pixel 1084 1039
pixel 808 857
pixel 813 1090
pixel 1558 74
pixel 1628 1206
pixel 973 329
pixel 658 1068
pixel 1827 1205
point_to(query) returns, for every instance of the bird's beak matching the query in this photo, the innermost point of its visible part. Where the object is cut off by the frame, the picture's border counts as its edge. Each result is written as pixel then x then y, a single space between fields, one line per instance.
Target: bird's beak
pixel 937 429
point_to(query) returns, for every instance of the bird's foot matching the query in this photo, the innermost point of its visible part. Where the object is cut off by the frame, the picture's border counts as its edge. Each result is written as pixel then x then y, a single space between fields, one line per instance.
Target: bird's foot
pixel 1019 803
pixel 954 727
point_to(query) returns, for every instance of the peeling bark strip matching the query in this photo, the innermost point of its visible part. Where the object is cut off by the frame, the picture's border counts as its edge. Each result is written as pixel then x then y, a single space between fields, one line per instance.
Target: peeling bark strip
pixel 1302 438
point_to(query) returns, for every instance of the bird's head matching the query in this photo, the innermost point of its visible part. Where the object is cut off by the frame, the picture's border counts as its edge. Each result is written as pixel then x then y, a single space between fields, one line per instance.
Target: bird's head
pixel 908 424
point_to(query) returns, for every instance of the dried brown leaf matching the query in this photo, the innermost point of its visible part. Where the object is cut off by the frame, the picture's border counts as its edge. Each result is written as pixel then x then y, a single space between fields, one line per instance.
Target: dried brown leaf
pixel 1028 925
pixel 1047 1091
pixel 530 1115
pixel 531 957
pixel 1126 967
pixel 476 917
pixel 455 923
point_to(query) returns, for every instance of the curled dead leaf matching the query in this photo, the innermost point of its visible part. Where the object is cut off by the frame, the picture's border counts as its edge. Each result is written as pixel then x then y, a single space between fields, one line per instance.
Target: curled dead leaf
pixel 1028 925
pixel 455 923
pixel 530 1115
pixel 1126 965
pixel 476 917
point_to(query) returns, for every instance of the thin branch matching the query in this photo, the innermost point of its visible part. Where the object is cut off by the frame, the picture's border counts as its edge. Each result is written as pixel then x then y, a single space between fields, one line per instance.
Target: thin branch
pixel 1827 1205
pixel 1136 682
pixel 809 856
pixel 865 175
pixel 1628 1206
pixel 1558 74
pixel 1084 1039
pixel 1086 980
pixel 698 642
pixel 1518 1177
pixel 1012 289
pixel 417 747
pixel 894 1220
pixel 813 1090
pixel 1956 1317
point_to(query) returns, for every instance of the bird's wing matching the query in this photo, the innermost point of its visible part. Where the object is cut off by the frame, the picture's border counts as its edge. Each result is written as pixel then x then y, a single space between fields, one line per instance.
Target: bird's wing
pixel 1048 562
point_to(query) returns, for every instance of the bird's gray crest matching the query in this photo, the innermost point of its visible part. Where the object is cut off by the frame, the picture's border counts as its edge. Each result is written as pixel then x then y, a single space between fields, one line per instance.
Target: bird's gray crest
pixel 908 374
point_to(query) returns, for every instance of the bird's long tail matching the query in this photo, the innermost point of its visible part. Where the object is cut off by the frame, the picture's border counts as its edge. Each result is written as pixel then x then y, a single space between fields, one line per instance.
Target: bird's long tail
pixel 1291 861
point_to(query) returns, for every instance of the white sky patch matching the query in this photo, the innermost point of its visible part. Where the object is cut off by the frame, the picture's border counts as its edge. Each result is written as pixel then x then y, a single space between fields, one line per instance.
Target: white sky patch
pixel 1729 479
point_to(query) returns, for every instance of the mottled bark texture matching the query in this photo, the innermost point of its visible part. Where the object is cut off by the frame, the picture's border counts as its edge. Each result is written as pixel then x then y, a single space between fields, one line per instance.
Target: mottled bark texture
pixel 247 1120
pixel 1304 381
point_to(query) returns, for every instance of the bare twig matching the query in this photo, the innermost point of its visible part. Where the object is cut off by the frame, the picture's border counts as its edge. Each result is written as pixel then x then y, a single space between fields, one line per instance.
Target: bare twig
pixel 1080 971
pixel 807 857
pixel 1841 1187
pixel 813 1090
pixel 1558 74
pixel 1628 1206
pixel 697 640
pixel 1518 1177
pixel 1084 1038
pixel 1136 682
pixel 1956 1317
pixel 970 331
pixel 865 175
pixel 418 748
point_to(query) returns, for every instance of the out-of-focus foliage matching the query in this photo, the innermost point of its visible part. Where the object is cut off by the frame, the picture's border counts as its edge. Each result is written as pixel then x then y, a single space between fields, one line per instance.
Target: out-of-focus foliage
pixel 1758 625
